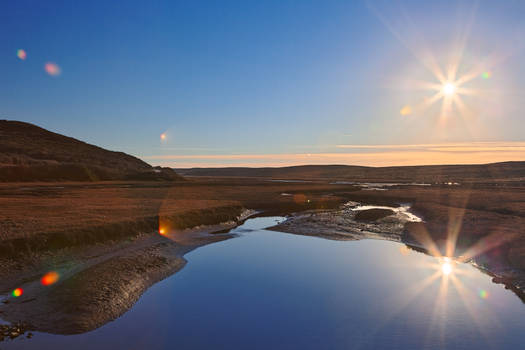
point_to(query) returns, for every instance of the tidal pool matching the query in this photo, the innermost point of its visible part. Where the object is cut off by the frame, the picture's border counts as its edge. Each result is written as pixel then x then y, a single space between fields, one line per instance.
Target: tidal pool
pixel 271 290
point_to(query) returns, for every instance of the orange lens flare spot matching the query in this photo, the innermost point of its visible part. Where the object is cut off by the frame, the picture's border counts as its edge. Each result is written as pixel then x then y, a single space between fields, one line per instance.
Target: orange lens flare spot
pixel 22 54
pixel 163 136
pixel 52 69
pixel 17 292
pixel 404 250
pixel 299 198
pixel 162 231
pixel 406 110
pixel 50 278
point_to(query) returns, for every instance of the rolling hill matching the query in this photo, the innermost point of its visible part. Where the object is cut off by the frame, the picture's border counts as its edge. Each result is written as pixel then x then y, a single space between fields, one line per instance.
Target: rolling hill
pixel 31 153
pixel 427 173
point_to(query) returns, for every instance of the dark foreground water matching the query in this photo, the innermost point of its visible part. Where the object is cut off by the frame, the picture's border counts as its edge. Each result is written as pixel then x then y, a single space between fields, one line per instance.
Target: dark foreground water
pixel 269 290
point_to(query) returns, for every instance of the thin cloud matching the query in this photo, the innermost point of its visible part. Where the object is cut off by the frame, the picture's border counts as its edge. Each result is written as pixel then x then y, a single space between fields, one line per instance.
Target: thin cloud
pixel 384 155
pixel 471 146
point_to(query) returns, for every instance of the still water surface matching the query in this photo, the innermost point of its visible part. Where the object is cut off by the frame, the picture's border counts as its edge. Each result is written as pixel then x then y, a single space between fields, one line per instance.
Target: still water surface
pixel 269 290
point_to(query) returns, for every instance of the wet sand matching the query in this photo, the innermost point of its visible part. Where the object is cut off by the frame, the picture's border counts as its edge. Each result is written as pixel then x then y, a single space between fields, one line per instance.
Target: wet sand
pixel 98 284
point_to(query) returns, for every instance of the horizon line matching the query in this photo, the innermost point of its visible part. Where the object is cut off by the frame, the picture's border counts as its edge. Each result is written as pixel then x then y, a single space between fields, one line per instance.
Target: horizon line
pixel 354 165
pixel 464 153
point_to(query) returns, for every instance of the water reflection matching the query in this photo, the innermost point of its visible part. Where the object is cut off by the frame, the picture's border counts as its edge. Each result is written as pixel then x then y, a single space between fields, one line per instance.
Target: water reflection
pixel 274 290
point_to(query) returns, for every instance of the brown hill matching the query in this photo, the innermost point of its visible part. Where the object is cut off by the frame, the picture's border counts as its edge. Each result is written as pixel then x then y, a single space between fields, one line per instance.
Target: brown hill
pixel 428 173
pixel 31 153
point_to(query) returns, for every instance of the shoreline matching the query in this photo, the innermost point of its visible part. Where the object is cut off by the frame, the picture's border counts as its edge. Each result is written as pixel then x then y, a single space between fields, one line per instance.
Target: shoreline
pixel 342 225
pixel 104 282
pixel 105 268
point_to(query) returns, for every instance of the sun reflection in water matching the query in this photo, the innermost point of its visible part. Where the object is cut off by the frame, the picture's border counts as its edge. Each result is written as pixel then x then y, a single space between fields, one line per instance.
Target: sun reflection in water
pixel 446 266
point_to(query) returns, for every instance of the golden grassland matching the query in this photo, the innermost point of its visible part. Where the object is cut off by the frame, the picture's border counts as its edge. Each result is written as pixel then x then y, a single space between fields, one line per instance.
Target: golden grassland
pixel 43 215
pixel 37 215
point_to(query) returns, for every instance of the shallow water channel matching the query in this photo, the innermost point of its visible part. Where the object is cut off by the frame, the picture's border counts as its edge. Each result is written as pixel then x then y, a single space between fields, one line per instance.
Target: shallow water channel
pixel 271 290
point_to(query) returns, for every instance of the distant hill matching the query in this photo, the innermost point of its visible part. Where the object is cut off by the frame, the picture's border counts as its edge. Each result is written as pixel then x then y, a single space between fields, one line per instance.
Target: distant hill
pixel 31 153
pixel 426 173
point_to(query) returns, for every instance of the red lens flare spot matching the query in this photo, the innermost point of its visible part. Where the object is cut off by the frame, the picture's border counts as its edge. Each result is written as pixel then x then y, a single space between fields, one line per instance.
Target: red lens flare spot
pixel 17 292
pixel 21 54
pixel 52 69
pixel 50 278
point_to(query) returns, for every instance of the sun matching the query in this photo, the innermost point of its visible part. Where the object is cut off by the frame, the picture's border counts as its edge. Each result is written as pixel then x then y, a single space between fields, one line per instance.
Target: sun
pixel 449 89
pixel 446 266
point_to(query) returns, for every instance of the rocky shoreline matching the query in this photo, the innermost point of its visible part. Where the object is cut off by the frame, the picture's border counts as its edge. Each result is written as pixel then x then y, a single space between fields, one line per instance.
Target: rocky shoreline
pixel 344 223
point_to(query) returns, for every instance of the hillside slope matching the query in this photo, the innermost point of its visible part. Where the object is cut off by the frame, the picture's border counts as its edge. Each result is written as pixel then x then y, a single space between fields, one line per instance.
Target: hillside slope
pixel 31 153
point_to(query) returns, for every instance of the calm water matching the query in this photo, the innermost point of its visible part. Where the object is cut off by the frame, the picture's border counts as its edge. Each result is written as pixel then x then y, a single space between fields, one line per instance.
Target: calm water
pixel 273 290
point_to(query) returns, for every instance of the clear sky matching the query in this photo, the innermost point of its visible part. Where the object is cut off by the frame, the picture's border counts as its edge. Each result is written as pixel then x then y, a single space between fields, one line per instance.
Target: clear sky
pixel 272 82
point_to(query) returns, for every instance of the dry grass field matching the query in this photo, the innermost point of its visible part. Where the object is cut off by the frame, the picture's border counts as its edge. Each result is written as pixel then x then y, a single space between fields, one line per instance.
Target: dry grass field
pixel 36 214
pixel 33 213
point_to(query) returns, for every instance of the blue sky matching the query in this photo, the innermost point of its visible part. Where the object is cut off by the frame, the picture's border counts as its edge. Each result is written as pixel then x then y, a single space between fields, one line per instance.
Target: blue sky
pixel 269 82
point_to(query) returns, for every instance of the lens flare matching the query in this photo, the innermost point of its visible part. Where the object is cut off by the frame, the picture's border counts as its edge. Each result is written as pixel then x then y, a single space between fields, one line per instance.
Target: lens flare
pixel 52 69
pixel 486 75
pixel 483 294
pixel 299 198
pixel 50 278
pixel 406 110
pixel 22 54
pixel 404 250
pixel 163 136
pixel 17 292
pixel 162 231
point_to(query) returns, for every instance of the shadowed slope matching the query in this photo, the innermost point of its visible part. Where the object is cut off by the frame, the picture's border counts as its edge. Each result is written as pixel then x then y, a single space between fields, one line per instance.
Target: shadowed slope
pixel 31 153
